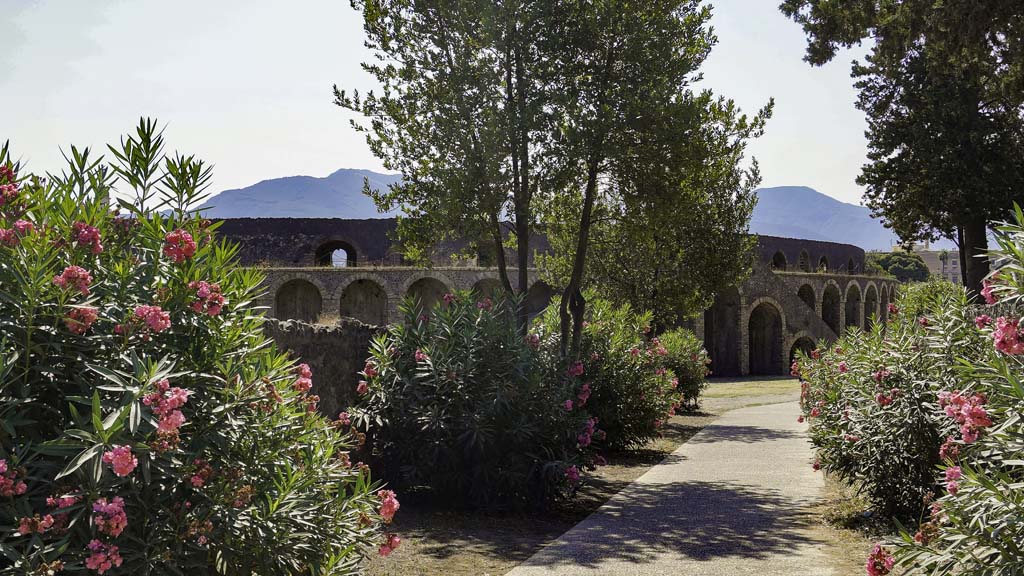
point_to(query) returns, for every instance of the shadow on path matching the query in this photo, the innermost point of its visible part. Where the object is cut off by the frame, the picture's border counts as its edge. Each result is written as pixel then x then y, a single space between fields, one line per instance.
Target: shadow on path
pixel 749 434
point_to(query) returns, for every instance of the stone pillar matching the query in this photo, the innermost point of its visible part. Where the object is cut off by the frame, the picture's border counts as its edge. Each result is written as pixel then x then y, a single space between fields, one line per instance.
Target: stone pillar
pixel 394 314
pixel 842 316
pixel 744 337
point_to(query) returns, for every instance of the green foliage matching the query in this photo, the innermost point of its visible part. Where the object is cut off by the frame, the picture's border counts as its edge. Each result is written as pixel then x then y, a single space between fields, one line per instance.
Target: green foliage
pixel 458 401
pixel 872 400
pixel 238 475
pixel 904 266
pixel 688 360
pixel 632 389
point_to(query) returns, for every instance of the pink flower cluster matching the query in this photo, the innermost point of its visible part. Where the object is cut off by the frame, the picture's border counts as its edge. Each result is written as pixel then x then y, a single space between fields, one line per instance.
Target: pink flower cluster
pixel 893 309
pixel 880 561
pixel 109 516
pixel 388 505
pixel 485 304
pixel 121 459
pixel 884 399
pixel 449 298
pixel 987 293
pixel 166 402
pixel 74 277
pixel 982 321
pixel 202 474
pixel 103 557
pixel 968 411
pixel 391 542
pixel 8 192
pixel 420 355
pixel 10 484
pixel 953 476
pixel 880 374
pixel 179 246
pixel 1007 336
pixel 576 369
pixel 532 340
pixel 80 319
pixel 155 318
pixel 584 394
pixel 209 299
pixel 572 474
pixel 589 432
pixel 60 503
pixel 950 449
pixel 13 236
pixel 34 524
pixel 843 367
pixel 304 383
pixel 87 236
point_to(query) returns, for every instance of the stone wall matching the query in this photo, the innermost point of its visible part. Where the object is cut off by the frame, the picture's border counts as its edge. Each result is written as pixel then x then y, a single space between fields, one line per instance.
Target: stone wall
pixel 334 353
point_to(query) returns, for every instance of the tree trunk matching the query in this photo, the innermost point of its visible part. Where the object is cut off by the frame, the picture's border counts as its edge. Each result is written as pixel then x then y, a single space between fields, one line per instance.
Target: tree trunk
pixel 573 305
pixel 974 258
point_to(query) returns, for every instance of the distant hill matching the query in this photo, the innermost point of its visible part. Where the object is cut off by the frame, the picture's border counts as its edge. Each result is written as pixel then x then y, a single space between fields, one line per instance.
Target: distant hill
pixel 339 195
pixel 802 212
pixel 788 211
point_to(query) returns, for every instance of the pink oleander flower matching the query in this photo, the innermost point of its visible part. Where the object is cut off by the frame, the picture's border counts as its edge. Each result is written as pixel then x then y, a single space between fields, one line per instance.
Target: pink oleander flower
pixel 304 371
pixel 24 228
pixel 303 385
pixel 800 419
pixel 10 484
pixel 391 542
pixel 815 412
pixel 923 321
pixel 532 340
pixel 87 236
pixel 103 557
pixel 109 517
pixel 572 474
pixel 987 293
pixel 420 355
pixel 816 465
pixel 449 298
pixel 9 237
pixel 388 505
pixel 80 319
pixel 843 367
pixel 166 402
pixel 362 388
pixel 794 369
pixel 968 411
pixel 880 561
pixel 893 309
pixel 155 318
pixel 34 524
pixel 74 277
pixel 816 354
pixel 882 399
pixel 1007 337
pixel 950 449
pixel 8 193
pixel 209 299
pixel 880 374
pixel 576 369
pixel 121 460
pixel 203 472
pixel 567 405
pixel 370 370
pixel 584 394
pixel 982 321
pixel 953 475
pixel 344 419
pixel 179 246
pixel 485 304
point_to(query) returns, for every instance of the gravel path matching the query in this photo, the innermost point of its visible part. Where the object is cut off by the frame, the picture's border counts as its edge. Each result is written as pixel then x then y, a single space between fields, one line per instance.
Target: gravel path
pixel 731 501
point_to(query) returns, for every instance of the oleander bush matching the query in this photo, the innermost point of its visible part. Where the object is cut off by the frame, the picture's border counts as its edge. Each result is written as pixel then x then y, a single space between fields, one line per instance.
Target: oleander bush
pixel 460 402
pixel 146 423
pixel 688 360
pixel 629 387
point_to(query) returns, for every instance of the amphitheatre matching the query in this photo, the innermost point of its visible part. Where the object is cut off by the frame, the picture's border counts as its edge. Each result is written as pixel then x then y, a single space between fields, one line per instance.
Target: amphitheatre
pixel 799 292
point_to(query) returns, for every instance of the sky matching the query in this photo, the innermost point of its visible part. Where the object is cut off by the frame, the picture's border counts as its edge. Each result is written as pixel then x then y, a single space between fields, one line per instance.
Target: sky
pixel 246 85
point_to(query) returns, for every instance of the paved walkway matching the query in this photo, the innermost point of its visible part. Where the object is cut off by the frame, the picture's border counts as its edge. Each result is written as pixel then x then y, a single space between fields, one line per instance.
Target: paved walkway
pixel 728 502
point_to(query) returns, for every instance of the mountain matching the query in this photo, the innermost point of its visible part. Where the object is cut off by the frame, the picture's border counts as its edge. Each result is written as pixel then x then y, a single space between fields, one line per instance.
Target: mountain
pixel 802 212
pixel 339 195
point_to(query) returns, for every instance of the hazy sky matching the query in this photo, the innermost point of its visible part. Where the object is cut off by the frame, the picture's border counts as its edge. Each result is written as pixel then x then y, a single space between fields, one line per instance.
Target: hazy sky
pixel 246 85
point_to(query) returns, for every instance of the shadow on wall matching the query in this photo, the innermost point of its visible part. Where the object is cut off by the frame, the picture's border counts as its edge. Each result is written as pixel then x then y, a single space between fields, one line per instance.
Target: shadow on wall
pixel 334 353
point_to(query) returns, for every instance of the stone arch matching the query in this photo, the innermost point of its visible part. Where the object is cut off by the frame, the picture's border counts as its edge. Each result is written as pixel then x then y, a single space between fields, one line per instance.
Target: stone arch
pixel 823 264
pixel 337 254
pixel 883 304
pixel 801 342
pixel 427 291
pixel 766 325
pixel 722 333
pixel 831 301
pixel 805 261
pixel 488 288
pixel 806 293
pixel 365 300
pixel 538 297
pixel 853 301
pixel 870 305
pixel 779 261
pixel 298 299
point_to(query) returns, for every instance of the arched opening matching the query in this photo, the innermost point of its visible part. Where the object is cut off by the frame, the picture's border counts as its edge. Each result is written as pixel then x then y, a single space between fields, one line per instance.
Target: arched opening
pixel 366 301
pixel 883 305
pixel 806 293
pixel 853 304
pixel 298 300
pixel 779 261
pixel 336 254
pixel 427 292
pixel 722 333
pixel 765 332
pixel 870 306
pixel 805 261
pixel 851 266
pixel 823 264
pixel 488 288
pixel 538 297
pixel 802 344
pixel 830 302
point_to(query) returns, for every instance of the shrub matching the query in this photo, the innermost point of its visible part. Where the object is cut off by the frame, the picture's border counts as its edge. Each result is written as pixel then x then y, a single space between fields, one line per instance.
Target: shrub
pixel 147 424
pixel 459 401
pixel 632 390
pixel 873 399
pixel 688 360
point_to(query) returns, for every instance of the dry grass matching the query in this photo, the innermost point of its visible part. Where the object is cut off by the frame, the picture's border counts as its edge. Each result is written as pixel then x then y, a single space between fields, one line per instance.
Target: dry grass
pixel 842 519
pixel 459 543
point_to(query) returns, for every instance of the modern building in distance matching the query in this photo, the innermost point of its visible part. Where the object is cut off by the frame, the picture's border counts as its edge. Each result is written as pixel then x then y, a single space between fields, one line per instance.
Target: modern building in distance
pixel 943 264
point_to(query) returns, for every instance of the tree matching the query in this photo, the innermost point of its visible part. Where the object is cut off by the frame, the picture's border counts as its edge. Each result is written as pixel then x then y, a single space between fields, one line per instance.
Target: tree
pixel 943 90
pixel 904 266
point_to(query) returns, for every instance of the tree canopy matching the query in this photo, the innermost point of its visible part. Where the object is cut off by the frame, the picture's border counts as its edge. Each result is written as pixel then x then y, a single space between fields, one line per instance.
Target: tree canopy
pixel 904 266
